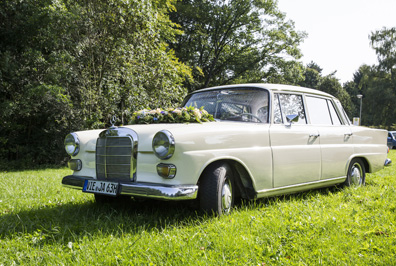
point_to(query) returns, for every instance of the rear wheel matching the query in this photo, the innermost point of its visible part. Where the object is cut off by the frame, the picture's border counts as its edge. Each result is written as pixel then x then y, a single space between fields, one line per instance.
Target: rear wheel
pixel 356 173
pixel 217 189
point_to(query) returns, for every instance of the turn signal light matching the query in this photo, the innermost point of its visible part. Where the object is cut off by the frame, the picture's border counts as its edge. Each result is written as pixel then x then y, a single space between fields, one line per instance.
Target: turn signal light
pixel 167 171
pixel 75 164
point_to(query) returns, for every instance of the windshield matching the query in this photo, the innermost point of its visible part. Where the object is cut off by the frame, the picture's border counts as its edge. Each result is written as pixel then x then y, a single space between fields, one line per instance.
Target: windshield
pixel 236 104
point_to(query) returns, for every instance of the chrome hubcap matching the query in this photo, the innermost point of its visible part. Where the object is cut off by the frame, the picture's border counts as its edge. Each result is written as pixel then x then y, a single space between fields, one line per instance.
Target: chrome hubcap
pixel 226 196
pixel 356 175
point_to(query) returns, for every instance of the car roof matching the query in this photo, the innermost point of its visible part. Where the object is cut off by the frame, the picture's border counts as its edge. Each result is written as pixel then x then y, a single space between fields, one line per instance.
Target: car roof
pixel 271 87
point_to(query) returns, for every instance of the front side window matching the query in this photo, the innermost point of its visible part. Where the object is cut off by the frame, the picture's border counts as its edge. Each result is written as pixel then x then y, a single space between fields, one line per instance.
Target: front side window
pixel 234 104
pixel 288 104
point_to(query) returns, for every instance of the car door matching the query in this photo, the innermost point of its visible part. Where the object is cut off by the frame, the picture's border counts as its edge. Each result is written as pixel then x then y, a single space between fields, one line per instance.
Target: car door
pixel 295 145
pixel 336 138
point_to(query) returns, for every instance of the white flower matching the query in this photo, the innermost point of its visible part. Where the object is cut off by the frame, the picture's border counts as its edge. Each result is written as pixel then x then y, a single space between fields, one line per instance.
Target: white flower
pixel 197 113
pixel 178 112
pixel 142 112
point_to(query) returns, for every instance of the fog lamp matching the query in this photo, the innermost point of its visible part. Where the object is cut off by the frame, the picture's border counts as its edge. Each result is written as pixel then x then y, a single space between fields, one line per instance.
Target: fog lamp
pixel 167 171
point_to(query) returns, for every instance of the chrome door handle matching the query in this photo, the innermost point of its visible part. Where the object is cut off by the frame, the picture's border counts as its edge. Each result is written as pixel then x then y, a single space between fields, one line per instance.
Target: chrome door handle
pixel 315 135
pixel 348 134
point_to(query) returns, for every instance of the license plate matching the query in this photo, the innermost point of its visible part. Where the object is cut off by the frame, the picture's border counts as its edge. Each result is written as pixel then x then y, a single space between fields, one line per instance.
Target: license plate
pixel 101 187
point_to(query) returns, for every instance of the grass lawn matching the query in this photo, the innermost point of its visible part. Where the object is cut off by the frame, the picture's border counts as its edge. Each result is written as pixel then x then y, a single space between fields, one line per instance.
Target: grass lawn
pixel 42 223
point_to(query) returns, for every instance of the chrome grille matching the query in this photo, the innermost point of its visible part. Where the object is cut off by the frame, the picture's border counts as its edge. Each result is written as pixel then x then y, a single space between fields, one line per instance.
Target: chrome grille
pixel 116 154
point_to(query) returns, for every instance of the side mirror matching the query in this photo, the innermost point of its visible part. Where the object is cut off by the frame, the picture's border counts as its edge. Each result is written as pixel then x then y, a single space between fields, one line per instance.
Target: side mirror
pixel 292 119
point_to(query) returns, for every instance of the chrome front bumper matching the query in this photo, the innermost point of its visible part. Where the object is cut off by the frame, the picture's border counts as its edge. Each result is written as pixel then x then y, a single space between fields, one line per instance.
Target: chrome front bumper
pixel 147 190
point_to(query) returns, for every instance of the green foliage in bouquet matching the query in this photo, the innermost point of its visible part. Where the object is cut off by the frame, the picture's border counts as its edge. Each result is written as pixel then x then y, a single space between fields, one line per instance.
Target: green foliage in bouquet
pixel 171 115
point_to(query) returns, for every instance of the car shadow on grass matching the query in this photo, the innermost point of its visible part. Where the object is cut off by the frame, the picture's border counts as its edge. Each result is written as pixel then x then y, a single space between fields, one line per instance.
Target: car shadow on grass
pixel 74 219
pixel 71 220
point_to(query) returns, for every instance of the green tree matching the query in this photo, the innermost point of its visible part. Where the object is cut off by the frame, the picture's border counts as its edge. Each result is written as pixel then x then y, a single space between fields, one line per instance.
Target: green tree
pixel 377 83
pixel 384 43
pixel 236 41
pixel 123 60
pixel 35 109
pixel 312 76
pixel 68 65
pixel 378 96
pixel 331 85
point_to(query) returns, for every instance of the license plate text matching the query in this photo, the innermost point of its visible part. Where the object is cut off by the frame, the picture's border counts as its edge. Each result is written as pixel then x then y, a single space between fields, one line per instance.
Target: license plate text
pixel 102 187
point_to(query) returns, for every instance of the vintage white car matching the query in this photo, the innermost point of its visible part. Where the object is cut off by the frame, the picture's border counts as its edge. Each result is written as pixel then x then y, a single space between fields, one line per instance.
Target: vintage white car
pixel 266 140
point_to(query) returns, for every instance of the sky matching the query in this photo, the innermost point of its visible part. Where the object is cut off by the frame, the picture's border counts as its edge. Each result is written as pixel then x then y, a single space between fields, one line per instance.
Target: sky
pixel 338 31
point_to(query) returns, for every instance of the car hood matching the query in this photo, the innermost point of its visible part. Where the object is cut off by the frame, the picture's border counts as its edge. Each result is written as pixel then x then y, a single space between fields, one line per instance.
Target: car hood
pixel 205 133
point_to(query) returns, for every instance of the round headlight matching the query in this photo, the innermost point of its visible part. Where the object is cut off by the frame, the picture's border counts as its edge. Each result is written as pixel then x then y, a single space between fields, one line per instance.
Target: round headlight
pixel 72 144
pixel 163 144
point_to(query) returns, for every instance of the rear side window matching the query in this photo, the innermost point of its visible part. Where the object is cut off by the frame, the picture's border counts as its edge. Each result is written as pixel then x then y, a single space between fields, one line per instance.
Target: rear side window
pixel 343 114
pixel 321 111
pixel 318 111
pixel 334 116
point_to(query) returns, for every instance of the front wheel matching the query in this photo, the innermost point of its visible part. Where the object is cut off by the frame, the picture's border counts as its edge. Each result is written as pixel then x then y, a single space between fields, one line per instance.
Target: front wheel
pixel 217 189
pixel 356 173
